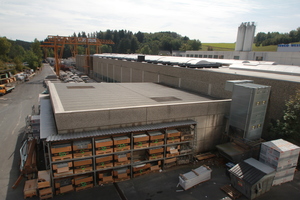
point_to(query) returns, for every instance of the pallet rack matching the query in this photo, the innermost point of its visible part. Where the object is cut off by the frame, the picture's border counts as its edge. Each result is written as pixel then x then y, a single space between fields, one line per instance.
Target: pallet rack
pixel 118 157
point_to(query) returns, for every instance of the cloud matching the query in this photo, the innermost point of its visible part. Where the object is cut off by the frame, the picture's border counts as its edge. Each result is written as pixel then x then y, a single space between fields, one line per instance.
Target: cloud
pixel 208 21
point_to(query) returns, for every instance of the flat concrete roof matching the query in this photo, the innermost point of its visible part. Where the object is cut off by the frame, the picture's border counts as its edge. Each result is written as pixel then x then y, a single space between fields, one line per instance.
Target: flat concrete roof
pixel 259 74
pixel 68 97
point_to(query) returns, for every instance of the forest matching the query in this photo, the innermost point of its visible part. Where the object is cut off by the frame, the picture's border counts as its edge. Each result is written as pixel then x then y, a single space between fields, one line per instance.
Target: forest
pixel 145 43
pixel 275 38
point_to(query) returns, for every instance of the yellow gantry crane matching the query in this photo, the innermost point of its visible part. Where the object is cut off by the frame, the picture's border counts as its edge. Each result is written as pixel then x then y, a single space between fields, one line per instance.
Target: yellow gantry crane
pixel 58 43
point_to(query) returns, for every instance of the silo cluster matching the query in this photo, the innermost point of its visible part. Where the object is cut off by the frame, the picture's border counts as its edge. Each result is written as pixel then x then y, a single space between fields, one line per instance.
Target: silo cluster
pixel 245 36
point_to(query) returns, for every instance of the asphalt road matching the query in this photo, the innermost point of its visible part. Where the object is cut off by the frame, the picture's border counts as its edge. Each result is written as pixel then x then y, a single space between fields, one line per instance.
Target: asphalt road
pixel 14 107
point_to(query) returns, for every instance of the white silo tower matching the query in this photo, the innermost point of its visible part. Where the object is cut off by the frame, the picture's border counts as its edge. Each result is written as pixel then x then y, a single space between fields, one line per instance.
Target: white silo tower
pixel 249 36
pixel 240 37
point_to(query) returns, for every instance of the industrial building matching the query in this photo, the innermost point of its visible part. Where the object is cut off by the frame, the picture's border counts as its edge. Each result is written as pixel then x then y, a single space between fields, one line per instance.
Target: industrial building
pixel 100 133
pixel 149 113
pixel 284 79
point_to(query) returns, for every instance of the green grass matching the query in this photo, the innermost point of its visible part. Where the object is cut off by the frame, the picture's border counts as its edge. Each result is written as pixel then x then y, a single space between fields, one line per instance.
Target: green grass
pixel 231 47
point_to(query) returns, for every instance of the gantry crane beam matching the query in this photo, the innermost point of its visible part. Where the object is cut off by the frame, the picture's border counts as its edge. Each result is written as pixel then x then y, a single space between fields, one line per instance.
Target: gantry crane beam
pixel 58 42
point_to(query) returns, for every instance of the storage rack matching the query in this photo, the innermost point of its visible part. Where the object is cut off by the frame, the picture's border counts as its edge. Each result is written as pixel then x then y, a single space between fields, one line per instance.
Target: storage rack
pixel 132 161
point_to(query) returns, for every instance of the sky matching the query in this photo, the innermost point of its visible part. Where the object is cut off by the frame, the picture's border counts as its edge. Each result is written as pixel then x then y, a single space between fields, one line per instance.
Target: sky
pixel 210 21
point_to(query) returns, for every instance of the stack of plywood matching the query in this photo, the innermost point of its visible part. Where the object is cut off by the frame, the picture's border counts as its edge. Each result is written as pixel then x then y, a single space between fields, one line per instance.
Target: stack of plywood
pixel 104 146
pixel 121 143
pixel 140 141
pixel 82 148
pixel 156 138
pixel 282 156
pixel 194 177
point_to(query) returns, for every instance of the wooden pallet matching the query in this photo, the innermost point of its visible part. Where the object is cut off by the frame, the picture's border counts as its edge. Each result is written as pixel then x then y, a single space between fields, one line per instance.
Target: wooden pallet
pixel 155 156
pixel 82 154
pixel 121 163
pixel 83 170
pixel 230 191
pixel 141 146
pixel 172 141
pixel 47 196
pixel 106 165
pixel 119 149
pixel 30 188
pixel 105 182
pixel 59 158
pixel 84 187
pixel 104 151
pixel 156 143
pixel 46 193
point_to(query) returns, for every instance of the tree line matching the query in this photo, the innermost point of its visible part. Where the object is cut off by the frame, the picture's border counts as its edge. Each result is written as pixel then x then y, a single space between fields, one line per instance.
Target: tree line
pixel 275 38
pixel 145 43
pixel 20 52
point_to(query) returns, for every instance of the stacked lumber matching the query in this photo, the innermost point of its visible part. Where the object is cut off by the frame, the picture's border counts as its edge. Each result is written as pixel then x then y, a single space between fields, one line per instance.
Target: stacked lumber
pixel 64 185
pixel 104 146
pixel 155 153
pixel 83 166
pixel 195 177
pixel 82 148
pixel 156 138
pixel 121 174
pixel 46 193
pixel 62 169
pixel 84 182
pixel 121 143
pixel 173 136
pixel 61 151
pixel 105 177
pixel 121 159
pixel 172 151
pixel 30 188
pixel 205 156
pixel 44 185
pixel 155 166
pixel 142 169
pixel 140 141
pixel 104 162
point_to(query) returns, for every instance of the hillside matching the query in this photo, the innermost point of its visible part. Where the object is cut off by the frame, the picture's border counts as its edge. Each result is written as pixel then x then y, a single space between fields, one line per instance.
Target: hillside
pixel 231 46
